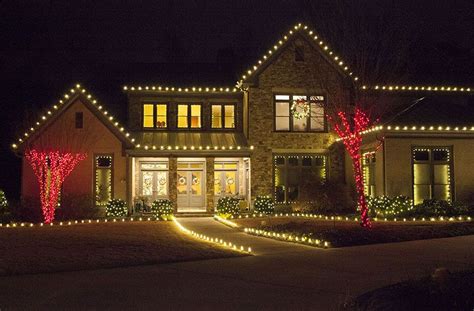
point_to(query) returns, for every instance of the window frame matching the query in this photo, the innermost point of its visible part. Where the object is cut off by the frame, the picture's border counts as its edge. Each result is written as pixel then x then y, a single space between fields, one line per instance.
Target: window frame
pixel 223 116
pixel 155 116
pixel 299 167
pixel 308 125
pixel 371 166
pixel 189 116
pixel 432 164
pixel 112 169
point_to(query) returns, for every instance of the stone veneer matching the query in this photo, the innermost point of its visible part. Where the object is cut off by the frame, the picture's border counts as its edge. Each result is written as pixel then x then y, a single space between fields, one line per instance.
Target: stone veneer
pixel 313 76
pixel 210 184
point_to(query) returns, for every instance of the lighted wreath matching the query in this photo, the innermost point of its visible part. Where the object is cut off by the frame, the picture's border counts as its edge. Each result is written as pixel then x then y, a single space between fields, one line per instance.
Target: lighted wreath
pixel 300 109
pixel 182 180
pixel 195 180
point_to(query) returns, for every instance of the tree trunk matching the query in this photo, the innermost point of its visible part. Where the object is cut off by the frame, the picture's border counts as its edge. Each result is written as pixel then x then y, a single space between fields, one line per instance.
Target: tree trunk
pixel 359 183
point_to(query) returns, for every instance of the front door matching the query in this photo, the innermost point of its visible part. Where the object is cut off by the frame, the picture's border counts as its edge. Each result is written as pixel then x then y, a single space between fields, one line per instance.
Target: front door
pixel 191 187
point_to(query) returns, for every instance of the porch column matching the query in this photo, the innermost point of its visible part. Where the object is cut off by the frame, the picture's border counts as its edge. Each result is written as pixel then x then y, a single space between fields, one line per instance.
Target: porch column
pixel 173 182
pixel 210 184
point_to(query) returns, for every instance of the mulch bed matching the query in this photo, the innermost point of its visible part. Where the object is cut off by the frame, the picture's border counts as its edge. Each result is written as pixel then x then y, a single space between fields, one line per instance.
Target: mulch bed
pixel 350 233
pixel 104 245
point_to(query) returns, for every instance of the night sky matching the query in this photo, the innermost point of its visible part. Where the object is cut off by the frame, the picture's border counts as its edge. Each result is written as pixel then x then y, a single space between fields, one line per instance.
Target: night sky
pixel 47 46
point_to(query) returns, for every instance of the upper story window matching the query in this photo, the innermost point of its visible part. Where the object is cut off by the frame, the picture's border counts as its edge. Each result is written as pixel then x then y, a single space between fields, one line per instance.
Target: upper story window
pixel 189 116
pixel 223 116
pixel 155 115
pixel 286 122
pixel 432 174
pixel 79 120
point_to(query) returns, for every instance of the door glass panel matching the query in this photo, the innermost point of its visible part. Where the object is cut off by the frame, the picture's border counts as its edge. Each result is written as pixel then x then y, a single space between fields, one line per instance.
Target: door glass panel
pixel 182 183
pixel 230 181
pixel 162 183
pixel 217 183
pixel 196 165
pixel 196 188
pixel 147 185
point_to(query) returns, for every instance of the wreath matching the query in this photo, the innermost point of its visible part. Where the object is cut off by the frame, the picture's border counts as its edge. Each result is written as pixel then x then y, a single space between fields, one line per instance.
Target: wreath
pixel 300 109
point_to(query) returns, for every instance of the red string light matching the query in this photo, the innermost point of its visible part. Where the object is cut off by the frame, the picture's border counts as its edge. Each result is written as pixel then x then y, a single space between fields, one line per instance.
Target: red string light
pixel 51 169
pixel 352 139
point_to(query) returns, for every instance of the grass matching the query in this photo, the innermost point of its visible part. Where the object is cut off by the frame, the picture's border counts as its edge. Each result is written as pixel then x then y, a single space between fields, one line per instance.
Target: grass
pixel 350 233
pixel 93 246
pixel 451 292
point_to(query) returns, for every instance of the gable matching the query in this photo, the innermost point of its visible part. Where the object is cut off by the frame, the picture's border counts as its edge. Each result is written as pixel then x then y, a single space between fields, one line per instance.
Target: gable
pixel 303 32
pixel 51 126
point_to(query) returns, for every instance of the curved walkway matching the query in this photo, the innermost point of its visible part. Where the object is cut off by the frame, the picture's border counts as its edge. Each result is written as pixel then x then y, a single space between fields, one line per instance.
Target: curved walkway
pixel 281 276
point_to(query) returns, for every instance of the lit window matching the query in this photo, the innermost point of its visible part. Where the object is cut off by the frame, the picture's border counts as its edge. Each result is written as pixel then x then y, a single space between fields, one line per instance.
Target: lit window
pixel 368 169
pixel 292 173
pixel 189 116
pixel 284 121
pixel 431 174
pixel 223 116
pixel 155 116
pixel 225 178
pixel 103 179
pixel 154 179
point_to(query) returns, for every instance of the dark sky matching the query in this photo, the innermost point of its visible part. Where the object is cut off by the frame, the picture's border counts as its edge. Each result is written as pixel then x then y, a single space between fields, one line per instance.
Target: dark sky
pixel 47 46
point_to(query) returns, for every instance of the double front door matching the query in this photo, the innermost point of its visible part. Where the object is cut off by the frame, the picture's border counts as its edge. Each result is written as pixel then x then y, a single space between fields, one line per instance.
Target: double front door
pixel 190 185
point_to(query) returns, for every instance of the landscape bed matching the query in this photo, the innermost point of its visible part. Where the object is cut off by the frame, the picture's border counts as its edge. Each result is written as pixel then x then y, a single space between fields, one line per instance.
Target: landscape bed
pixel 350 233
pixel 103 245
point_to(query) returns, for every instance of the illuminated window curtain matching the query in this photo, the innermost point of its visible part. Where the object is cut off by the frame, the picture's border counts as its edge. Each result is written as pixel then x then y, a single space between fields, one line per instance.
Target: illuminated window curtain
pixel 103 179
pixel 161 115
pixel 229 116
pixel 291 170
pixel 195 116
pixel 216 116
pixel 368 170
pixel 431 174
pixel 182 116
pixel 148 115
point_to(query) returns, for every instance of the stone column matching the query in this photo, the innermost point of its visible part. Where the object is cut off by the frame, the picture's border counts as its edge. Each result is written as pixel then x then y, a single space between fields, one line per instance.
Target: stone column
pixel 173 181
pixel 210 184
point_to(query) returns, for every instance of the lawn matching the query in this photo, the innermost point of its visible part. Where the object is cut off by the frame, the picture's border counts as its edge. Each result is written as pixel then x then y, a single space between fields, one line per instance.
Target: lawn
pixel 104 245
pixel 350 233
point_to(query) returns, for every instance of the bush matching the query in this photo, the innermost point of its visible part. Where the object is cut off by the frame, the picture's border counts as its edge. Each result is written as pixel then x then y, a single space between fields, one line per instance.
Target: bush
pixel 5 215
pixel 227 206
pixel 436 208
pixel 384 206
pixel 330 197
pixel 28 209
pixel 283 208
pixel 116 208
pixel 162 208
pixel 77 207
pixel 264 205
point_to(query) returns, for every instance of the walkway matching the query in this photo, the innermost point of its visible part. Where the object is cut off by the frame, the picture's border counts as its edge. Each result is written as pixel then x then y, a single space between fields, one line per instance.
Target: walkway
pixel 280 276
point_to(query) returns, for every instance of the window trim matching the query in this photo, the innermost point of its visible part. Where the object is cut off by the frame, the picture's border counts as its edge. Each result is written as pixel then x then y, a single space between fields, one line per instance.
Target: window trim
pixel 189 117
pixel 112 169
pixel 155 116
pixel 308 125
pixel 222 107
pixel 452 194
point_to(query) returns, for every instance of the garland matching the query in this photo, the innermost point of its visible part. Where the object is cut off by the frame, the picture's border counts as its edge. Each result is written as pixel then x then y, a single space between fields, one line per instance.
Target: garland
pixel 300 109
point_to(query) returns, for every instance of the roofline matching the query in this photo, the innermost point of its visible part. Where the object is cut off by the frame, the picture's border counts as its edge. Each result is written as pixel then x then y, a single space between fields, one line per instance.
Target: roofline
pixel 173 89
pixel 447 88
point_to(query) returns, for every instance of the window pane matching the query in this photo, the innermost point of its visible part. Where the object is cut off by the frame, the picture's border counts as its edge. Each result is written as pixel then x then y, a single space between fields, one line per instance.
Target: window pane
pixel 282 123
pixel 421 155
pixel 306 161
pixel 161 111
pixel 216 118
pixel 282 97
pixel 147 121
pixel 299 125
pixel 421 174
pixel 422 192
pixel 316 98
pixel 441 192
pixel 317 116
pixel 182 183
pixel 195 116
pixel 182 116
pixel 440 155
pixel 293 161
pixel 280 161
pixel 229 116
pixel 296 97
pixel 162 182
pixel 230 182
pixel 441 175
pixel 148 115
pixel 196 187
pixel 319 161
pixel 147 110
pixel 282 109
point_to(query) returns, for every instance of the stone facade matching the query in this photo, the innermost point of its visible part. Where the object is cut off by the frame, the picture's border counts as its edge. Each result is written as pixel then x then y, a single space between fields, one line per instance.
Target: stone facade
pixel 210 184
pixel 313 76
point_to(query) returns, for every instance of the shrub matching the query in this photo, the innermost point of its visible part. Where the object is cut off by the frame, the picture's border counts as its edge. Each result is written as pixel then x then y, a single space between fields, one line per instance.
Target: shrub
pixel 283 208
pixel 435 208
pixel 384 206
pixel 5 215
pixel 116 208
pixel 28 209
pixel 162 208
pixel 77 207
pixel 264 205
pixel 228 206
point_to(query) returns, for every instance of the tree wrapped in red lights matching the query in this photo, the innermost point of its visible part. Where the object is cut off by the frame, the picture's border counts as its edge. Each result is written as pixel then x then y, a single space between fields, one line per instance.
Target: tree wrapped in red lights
pixel 51 169
pixel 351 136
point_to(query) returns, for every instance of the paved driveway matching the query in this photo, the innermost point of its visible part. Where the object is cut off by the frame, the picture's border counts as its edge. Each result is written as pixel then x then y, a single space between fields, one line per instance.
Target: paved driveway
pixel 280 276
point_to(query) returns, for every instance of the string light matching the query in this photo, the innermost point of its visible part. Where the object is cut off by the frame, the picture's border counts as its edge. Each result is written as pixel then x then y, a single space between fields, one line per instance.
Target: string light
pixel 166 89
pixel 288 237
pixel 415 88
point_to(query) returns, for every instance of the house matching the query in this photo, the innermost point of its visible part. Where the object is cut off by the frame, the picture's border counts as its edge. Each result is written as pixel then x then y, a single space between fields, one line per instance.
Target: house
pixel 194 144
